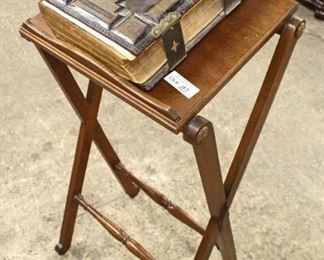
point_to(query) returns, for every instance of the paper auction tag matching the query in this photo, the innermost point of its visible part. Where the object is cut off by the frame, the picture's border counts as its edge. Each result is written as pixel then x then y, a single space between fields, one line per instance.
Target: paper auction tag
pixel 181 84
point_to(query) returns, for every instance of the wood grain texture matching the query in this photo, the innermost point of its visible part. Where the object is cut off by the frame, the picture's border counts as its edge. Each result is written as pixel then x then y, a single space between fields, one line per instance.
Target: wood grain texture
pixel 242 35
pixel 200 133
pixel 118 233
pixel 286 45
pixel 81 107
pixel 79 168
pixel 222 52
pixel 163 201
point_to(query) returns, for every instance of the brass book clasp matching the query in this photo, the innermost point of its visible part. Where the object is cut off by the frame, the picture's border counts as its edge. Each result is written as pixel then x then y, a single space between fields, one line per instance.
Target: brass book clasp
pixel 169 29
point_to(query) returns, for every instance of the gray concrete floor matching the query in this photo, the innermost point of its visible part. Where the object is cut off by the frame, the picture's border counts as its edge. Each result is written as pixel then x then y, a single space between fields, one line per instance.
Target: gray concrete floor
pixel 278 213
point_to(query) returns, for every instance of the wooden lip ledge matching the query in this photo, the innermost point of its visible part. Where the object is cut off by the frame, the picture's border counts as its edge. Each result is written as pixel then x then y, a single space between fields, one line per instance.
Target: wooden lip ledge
pixel 238 37
pixel 31 31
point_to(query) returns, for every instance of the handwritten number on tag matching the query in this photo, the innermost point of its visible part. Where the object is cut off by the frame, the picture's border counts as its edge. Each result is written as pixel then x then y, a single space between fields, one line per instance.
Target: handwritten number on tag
pixel 181 84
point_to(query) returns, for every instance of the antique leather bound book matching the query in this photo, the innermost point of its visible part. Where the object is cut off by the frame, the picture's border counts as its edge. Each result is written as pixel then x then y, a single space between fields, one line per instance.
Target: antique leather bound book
pixel 140 40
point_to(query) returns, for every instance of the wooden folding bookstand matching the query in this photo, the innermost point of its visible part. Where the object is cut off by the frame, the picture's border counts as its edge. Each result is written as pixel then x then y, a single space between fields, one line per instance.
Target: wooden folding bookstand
pixel 228 48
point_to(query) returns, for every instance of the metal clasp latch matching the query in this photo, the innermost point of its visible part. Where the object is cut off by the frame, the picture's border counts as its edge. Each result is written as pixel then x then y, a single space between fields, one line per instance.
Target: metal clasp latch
pixel 169 29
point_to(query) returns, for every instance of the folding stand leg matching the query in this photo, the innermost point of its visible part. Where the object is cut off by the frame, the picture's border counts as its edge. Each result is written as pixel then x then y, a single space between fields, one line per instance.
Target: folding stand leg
pixel 199 132
pixel 90 130
pixel 79 168
pixel 290 33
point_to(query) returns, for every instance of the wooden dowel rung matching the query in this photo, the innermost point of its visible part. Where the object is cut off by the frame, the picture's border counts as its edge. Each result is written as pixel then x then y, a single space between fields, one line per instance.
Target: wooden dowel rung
pixel 163 201
pixel 115 230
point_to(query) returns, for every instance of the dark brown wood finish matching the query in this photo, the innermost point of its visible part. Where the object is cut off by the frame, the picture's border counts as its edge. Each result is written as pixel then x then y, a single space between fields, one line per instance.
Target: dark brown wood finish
pixel 163 201
pixel 239 37
pixel 117 232
pixel 79 168
pixel 87 110
pixel 200 133
pixel 288 39
pixel 74 94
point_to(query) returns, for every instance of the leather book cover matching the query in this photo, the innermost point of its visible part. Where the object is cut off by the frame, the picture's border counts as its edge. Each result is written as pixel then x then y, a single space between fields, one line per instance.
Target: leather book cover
pixel 129 36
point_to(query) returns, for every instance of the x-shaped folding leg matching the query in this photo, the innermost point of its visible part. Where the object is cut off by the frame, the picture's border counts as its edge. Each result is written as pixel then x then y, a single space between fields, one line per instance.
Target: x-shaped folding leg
pixel 90 130
pixel 199 132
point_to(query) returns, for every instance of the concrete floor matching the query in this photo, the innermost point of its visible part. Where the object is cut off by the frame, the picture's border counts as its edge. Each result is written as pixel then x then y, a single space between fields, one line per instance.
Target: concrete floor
pixel 279 210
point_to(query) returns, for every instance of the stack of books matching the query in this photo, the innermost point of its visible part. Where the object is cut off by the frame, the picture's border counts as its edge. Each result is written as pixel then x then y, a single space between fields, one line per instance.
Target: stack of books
pixel 126 36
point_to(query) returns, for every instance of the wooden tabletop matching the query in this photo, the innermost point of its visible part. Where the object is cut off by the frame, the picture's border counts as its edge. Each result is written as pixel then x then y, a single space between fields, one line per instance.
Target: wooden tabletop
pixel 209 66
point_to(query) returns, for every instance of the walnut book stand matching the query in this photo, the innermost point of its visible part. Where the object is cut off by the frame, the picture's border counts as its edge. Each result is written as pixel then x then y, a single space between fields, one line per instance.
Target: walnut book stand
pixel 228 48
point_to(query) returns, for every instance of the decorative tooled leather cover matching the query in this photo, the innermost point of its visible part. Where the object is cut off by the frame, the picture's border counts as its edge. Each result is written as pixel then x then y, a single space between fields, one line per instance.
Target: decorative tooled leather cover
pixel 126 22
